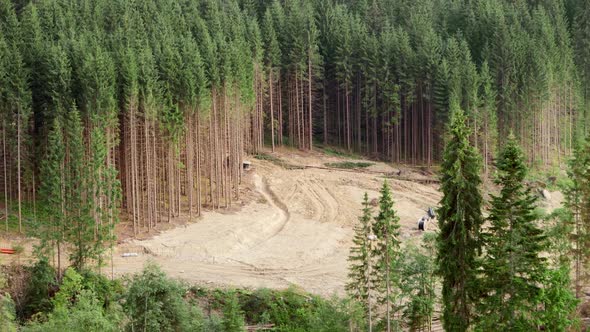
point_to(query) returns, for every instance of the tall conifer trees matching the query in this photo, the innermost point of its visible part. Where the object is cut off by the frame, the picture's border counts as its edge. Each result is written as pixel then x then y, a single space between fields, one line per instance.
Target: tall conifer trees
pixel 513 268
pixel 460 219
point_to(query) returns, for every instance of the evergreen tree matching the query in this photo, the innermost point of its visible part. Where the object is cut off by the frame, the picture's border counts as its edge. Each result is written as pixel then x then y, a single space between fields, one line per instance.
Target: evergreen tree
pixel 577 196
pixel 386 228
pixel 418 284
pixel 52 191
pixel 460 219
pixel 360 282
pixel 233 316
pixel 513 269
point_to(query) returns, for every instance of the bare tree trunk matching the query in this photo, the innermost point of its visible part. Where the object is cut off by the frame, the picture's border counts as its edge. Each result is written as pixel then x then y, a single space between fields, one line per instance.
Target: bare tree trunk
pixel 18 170
pixel 309 78
pixel 5 176
pixel 272 115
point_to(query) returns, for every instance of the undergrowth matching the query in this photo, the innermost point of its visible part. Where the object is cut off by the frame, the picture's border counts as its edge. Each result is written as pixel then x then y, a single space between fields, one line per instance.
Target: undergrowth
pixel 349 164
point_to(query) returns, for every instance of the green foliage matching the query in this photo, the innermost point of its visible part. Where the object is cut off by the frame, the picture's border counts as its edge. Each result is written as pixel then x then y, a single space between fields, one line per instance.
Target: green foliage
pixel 7 314
pixel 359 259
pixel 559 302
pixel 460 220
pixel 77 309
pixel 577 213
pixel 289 310
pixel 349 164
pixel 155 303
pixel 233 317
pixel 417 268
pixel 513 266
pixel 386 255
pixel 339 153
pixel 41 287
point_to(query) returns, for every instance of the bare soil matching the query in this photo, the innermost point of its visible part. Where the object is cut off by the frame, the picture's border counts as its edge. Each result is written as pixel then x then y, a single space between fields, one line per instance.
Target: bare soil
pixel 295 230
pixel 291 226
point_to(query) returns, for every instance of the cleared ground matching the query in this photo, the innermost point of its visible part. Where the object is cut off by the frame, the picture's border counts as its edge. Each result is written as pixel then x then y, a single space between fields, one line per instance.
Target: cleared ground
pixel 295 227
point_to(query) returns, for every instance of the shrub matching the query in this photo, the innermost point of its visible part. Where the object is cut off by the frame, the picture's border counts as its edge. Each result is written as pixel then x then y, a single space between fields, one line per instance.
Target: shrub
pixel 76 309
pixel 42 286
pixel 349 164
pixel 233 316
pixel 7 314
pixel 155 303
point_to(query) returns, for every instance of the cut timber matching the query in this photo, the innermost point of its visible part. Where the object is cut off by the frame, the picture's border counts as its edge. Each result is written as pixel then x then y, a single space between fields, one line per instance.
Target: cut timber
pixel 263 327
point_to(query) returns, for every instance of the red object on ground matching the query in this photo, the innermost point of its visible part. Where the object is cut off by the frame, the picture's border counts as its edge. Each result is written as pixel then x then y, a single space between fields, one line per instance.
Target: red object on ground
pixel 7 251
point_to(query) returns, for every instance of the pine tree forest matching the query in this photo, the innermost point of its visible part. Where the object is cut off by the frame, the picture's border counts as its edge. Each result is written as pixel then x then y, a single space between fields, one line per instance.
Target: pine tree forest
pixel 149 107
pixel 123 122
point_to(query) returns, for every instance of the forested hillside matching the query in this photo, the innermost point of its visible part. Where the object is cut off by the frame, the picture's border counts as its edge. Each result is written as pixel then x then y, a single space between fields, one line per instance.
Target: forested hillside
pixel 151 105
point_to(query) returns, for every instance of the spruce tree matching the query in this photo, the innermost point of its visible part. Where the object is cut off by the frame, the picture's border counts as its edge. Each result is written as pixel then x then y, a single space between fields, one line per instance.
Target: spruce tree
pixel 513 269
pixel 460 219
pixel 50 229
pixel 577 196
pixel 386 228
pixel 360 283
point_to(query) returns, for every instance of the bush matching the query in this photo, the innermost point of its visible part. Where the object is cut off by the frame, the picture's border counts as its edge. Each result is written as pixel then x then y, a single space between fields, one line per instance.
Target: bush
pixel 77 309
pixel 107 291
pixel 7 314
pixel 349 164
pixel 233 316
pixel 42 286
pixel 155 303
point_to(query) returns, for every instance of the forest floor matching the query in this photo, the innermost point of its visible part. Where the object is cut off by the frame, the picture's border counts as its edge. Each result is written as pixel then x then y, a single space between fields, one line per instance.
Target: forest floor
pixel 293 225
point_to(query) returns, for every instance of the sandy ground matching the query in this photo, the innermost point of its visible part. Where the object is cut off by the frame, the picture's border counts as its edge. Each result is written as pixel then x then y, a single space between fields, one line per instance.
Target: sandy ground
pixel 293 227
pixel 297 230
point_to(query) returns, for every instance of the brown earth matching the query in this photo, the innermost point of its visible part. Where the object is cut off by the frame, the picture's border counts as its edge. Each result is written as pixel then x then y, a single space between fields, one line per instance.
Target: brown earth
pixel 296 229
pixel 293 226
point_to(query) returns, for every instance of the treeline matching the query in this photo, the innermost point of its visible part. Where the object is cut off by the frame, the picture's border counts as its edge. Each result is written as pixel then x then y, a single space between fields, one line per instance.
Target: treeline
pixel 148 107
pixel 37 300
pixel 516 269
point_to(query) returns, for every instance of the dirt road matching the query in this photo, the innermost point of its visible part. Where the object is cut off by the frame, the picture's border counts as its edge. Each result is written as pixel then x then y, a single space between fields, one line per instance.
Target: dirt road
pixel 297 230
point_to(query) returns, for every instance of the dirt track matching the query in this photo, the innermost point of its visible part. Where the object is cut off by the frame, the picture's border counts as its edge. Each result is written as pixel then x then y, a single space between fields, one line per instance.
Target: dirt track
pixel 296 230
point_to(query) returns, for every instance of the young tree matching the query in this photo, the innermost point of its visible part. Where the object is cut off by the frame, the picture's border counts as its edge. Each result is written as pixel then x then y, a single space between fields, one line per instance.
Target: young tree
pixel 460 219
pixel 360 284
pixel 52 226
pixel 386 228
pixel 418 283
pixel 513 268
pixel 577 196
pixel 233 316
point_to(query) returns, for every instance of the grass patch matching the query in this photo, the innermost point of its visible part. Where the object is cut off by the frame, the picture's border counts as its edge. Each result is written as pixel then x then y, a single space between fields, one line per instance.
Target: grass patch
pixel 277 161
pixel 339 153
pixel 267 157
pixel 350 164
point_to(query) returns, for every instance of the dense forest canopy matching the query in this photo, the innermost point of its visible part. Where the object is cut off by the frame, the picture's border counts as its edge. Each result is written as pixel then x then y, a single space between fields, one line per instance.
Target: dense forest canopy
pixel 151 105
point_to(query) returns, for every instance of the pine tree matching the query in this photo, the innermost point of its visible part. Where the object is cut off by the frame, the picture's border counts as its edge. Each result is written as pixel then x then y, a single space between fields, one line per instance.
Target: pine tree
pixel 386 228
pixel 513 268
pixel 51 228
pixel 360 284
pixel 418 284
pixel 577 196
pixel 460 219
pixel 233 316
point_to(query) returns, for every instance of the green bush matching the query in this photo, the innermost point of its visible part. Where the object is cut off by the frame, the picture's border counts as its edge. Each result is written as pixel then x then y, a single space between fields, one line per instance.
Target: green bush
pixel 155 303
pixel 7 314
pixel 233 316
pixel 41 287
pixel 77 309
pixel 349 164
pixel 107 291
